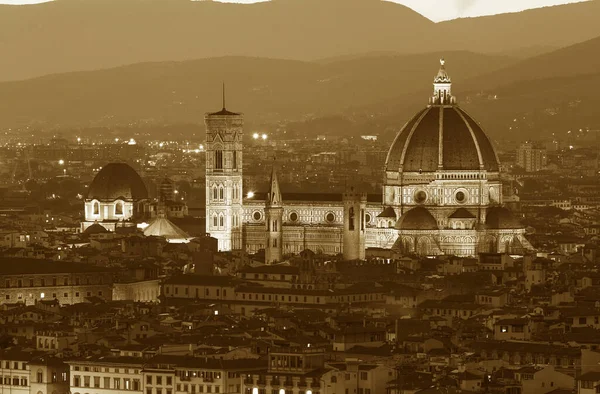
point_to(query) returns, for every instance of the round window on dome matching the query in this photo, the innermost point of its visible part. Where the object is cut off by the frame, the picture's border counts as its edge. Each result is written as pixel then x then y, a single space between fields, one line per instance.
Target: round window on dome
pixel 330 217
pixel 257 215
pixel 293 216
pixel 420 196
pixel 460 196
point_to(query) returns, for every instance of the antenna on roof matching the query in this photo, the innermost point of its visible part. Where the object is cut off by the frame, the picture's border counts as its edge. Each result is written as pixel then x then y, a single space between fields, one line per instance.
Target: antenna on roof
pixel 223 94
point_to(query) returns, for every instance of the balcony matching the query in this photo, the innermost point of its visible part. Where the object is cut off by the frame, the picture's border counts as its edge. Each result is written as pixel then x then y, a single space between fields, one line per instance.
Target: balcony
pixel 248 381
pixel 275 383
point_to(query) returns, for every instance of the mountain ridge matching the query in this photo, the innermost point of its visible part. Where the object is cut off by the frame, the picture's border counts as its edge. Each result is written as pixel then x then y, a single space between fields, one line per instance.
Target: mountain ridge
pixel 69 35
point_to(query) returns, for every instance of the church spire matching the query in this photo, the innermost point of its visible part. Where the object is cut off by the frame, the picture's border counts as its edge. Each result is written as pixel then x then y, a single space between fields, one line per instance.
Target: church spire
pixel 274 197
pixel 442 87
pixel 223 96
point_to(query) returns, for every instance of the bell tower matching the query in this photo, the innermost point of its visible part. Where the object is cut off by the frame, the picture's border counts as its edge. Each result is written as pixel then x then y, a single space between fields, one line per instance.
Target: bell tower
pixel 354 232
pixel 273 222
pixel 224 131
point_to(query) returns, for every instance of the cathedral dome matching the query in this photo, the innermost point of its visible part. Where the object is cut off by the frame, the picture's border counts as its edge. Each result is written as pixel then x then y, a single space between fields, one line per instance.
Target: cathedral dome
pixel 117 181
pixel 500 218
pixel 417 218
pixel 441 137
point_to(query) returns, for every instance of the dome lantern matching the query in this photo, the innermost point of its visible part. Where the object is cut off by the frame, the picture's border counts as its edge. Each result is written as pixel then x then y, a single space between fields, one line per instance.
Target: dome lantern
pixel 442 87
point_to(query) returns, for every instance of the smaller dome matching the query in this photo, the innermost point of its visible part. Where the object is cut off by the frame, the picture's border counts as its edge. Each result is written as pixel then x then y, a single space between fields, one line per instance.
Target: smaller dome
pixel 501 218
pixel 117 181
pixel 417 218
pixel 95 229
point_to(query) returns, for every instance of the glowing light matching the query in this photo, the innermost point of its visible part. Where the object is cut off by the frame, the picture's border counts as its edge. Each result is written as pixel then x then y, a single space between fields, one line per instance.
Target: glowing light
pixel 216 313
pixel 255 390
pixel 42 295
pixel 264 136
pixel 131 142
pixel 281 391
pixel 308 391
pixel 61 162
pixel 161 145
pixel 116 140
pixel 250 194
pixel 255 136
pixel 196 150
pixel 78 139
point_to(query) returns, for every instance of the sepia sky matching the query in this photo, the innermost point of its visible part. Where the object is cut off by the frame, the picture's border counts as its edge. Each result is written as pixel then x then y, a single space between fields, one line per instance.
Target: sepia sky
pixel 435 10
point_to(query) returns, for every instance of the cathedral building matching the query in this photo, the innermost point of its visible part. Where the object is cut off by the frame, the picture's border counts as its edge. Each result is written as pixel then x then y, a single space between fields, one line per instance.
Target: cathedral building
pixel 442 195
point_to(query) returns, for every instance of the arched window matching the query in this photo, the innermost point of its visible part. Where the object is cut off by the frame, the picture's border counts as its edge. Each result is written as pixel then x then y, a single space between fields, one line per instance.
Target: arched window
pixel 118 208
pixel 221 220
pixel 215 193
pixel 215 221
pixel 235 160
pixel 221 193
pixel 96 208
pixel 218 159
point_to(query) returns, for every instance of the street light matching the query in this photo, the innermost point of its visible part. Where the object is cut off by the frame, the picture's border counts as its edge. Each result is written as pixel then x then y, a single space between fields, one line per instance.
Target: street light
pixel 264 136
pixel 61 162
pixel 255 136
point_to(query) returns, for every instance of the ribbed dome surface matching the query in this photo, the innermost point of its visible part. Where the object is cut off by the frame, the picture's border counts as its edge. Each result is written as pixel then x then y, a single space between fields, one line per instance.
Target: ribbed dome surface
pixel 117 181
pixel 417 218
pixel 501 218
pixel 441 137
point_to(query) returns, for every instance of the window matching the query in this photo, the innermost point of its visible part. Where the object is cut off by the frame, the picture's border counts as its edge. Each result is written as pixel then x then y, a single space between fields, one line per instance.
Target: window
pixel 97 381
pixel 235 160
pixel 117 383
pixel 107 383
pixel 215 193
pixel 351 219
pixel 364 376
pixel 334 379
pixel 503 328
pixel 583 320
pixel 119 208
pixel 127 384
pixel 159 380
pixel 86 381
pixel 76 380
pixel 169 380
pixel 221 193
pixel 96 208
pixel 149 379
pixel 218 159
pixel 221 221
pixel 40 376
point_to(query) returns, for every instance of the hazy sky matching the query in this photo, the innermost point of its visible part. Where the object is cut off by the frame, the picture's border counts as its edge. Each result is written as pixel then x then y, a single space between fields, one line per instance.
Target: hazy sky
pixel 433 9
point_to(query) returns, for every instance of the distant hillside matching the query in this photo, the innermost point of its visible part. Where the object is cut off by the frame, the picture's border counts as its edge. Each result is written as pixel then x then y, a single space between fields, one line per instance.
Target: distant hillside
pixel 71 35
pixel 579 59
pixel 265 90
pixel 557 27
